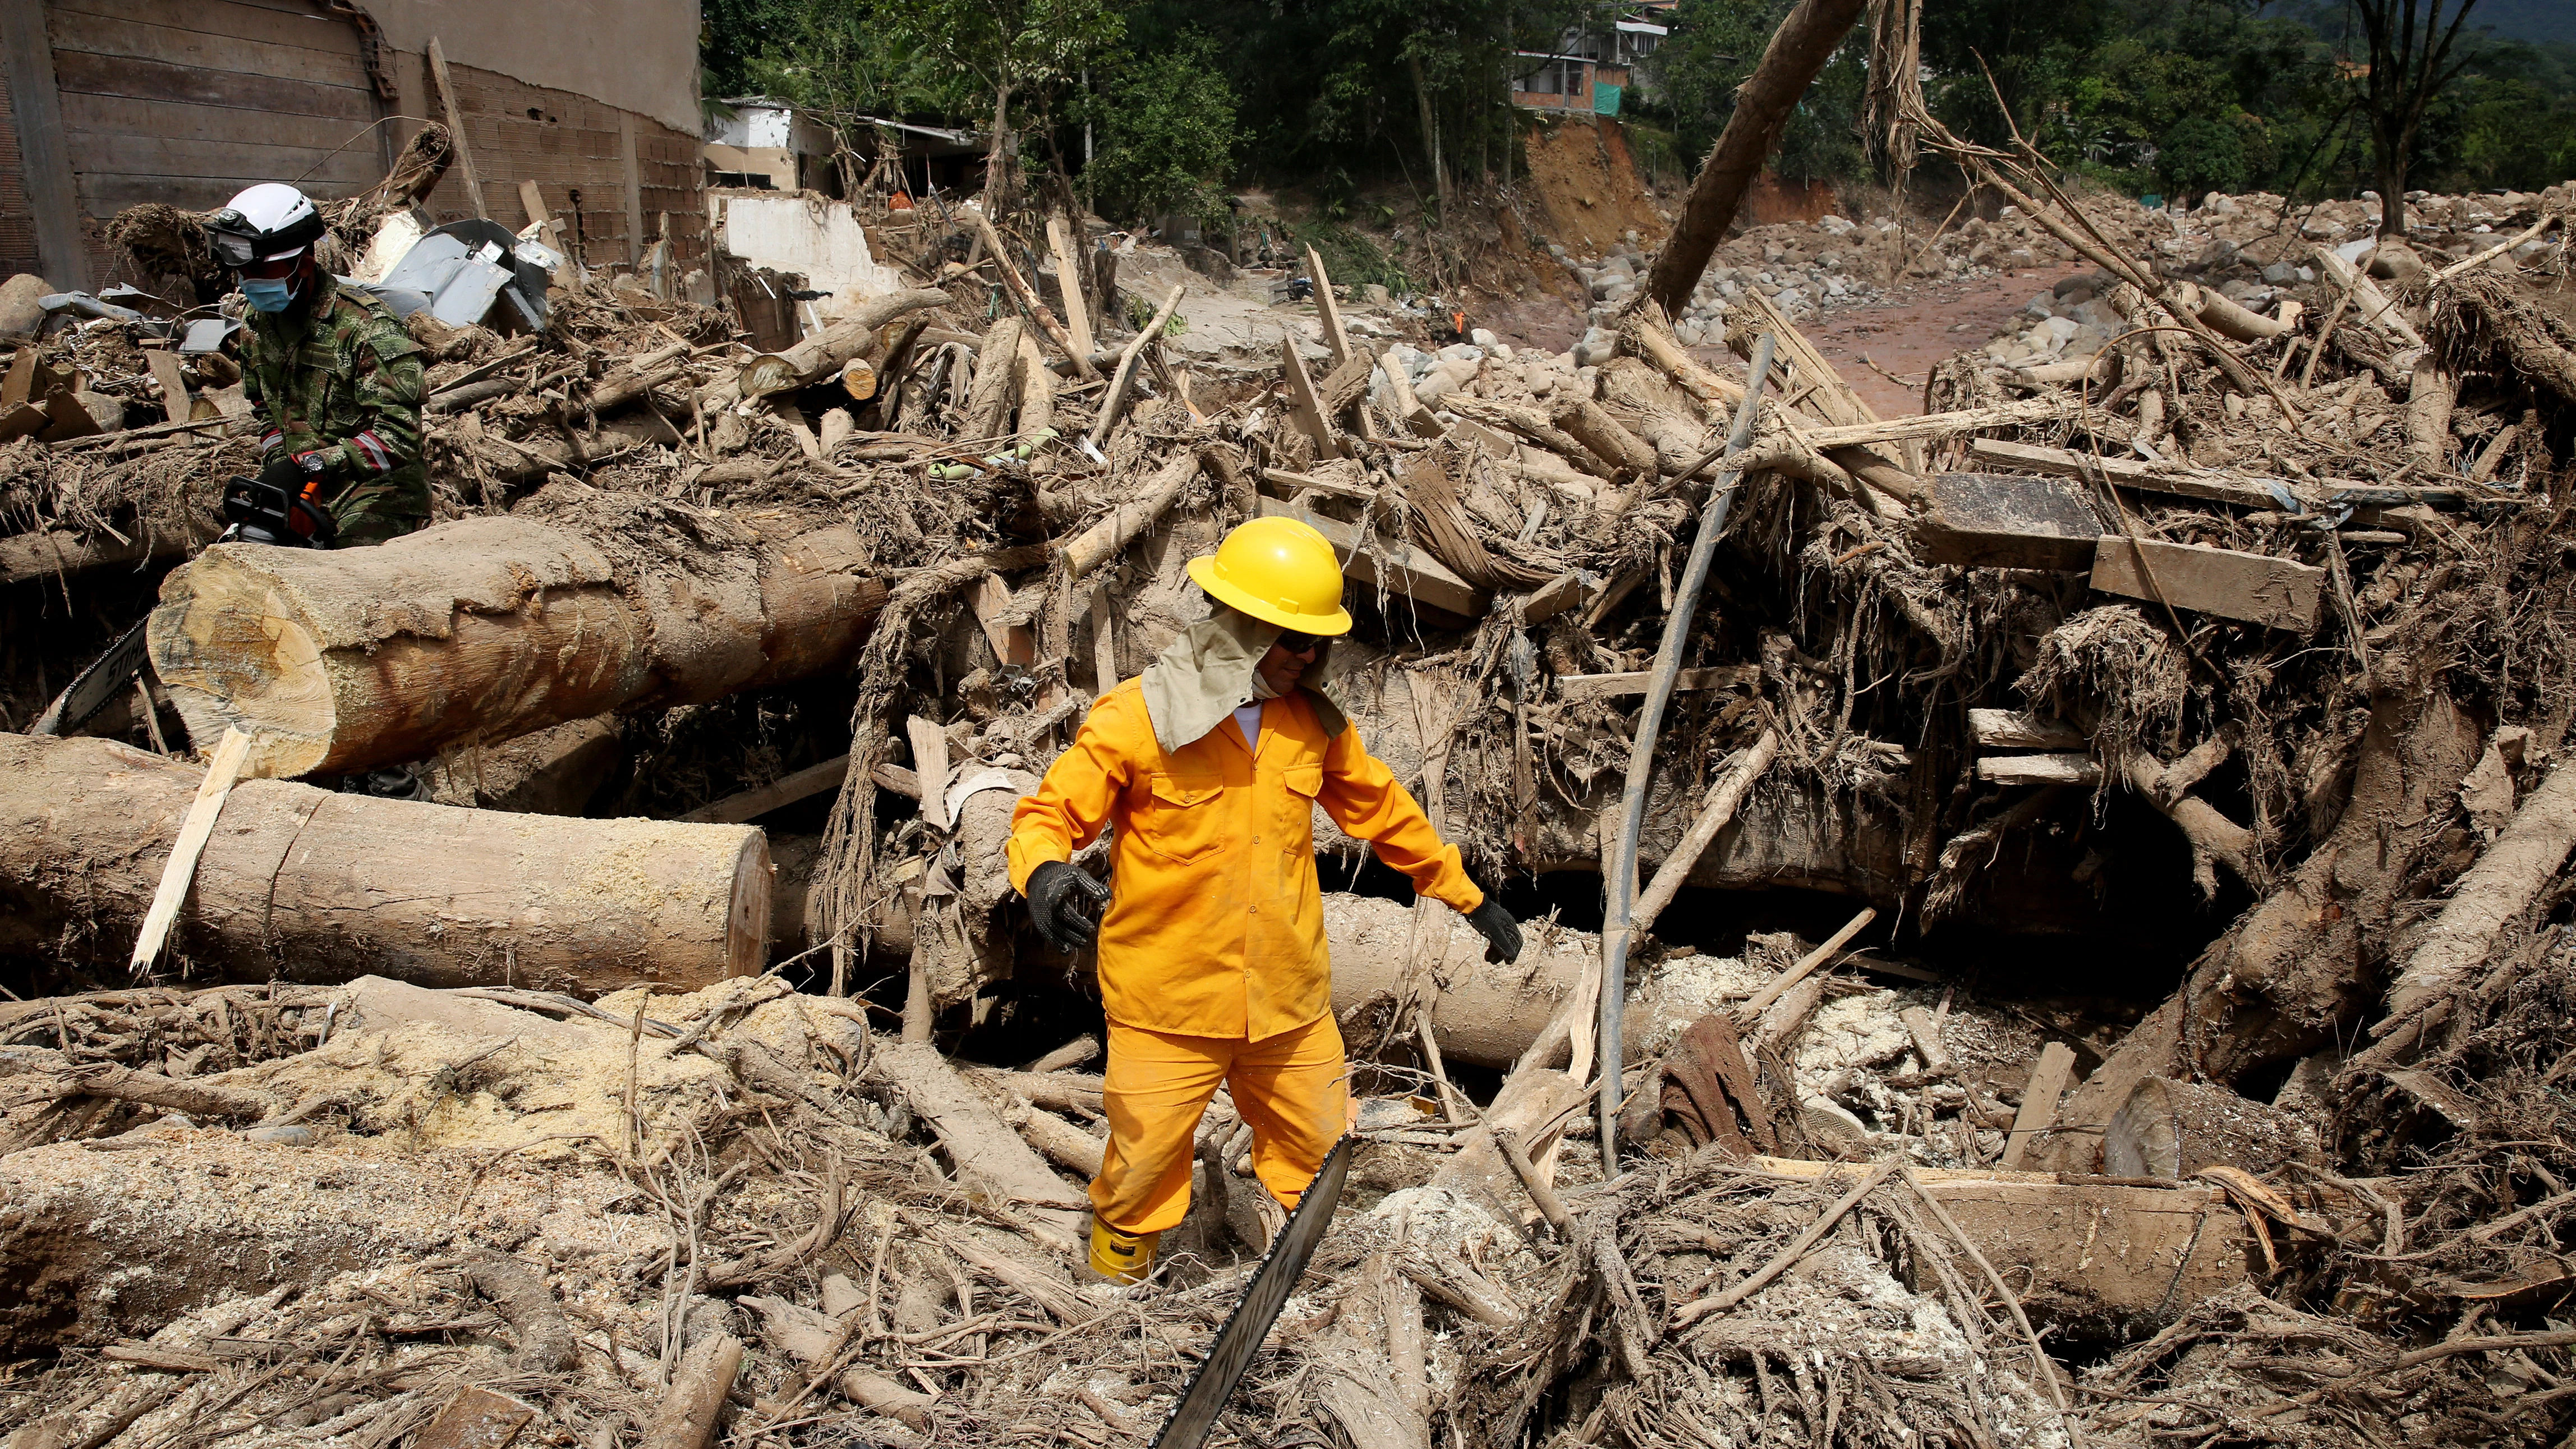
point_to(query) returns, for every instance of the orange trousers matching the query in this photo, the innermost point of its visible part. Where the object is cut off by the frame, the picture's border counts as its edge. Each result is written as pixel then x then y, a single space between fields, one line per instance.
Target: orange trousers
pixel 1293 1088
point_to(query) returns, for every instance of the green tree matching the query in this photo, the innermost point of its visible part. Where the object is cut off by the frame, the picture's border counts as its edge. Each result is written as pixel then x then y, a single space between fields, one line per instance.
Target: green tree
pixel 1166 132
pixel 1713 48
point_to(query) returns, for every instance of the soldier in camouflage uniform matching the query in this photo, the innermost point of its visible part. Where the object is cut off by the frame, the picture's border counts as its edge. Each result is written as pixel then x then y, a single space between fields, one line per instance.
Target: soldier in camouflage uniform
pixel 330 368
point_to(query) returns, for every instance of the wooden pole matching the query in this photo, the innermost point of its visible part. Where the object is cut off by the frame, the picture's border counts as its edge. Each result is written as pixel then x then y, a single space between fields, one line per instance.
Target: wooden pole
pixel 1027 298
pixel 456 126
pixel 1068 277
pixel 1620 880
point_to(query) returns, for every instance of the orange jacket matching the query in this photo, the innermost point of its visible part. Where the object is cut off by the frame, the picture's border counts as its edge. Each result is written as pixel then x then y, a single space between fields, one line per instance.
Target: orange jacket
pixel 1217 924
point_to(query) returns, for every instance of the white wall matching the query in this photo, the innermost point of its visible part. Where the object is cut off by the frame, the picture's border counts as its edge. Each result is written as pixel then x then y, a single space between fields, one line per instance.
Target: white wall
pixel 820 238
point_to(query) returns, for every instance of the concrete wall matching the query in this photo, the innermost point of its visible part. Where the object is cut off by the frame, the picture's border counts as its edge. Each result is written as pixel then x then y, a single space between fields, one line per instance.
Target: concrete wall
pixel 803 233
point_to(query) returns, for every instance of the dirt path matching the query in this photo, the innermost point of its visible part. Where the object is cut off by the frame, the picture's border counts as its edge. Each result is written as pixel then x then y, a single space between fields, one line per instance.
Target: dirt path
pixel 1918 328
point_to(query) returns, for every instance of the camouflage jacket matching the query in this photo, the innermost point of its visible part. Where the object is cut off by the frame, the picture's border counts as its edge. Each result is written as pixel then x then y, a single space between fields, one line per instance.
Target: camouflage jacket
pixel 339 374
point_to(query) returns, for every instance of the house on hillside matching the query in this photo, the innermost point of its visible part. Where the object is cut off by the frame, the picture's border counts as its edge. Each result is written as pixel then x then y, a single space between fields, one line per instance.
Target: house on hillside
pixel 1595 62
pixel 109 103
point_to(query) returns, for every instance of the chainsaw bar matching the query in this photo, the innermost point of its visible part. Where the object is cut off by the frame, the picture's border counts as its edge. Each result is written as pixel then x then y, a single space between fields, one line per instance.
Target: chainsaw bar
pixel 1258 1308
pixel 95 687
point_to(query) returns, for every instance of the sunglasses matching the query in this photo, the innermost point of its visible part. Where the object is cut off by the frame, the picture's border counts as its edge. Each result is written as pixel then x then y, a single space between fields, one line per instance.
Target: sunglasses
pixel 1296 643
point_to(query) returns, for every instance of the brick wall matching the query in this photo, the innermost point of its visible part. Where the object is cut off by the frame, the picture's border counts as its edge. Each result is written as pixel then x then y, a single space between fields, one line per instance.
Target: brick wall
pixel 17 221
pixel 573 148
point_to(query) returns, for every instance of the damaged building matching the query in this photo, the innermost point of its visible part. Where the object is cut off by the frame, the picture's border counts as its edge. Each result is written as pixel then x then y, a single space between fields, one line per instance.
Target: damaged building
pixel 116 103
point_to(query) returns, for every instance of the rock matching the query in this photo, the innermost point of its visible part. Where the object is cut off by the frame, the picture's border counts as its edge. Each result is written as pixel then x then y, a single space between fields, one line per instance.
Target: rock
pixel 20 311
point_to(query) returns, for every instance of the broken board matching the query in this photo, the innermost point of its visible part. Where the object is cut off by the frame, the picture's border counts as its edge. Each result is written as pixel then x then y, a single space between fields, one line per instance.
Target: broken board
pixel 2007 521
pixel 2256 588
pixel 1384 563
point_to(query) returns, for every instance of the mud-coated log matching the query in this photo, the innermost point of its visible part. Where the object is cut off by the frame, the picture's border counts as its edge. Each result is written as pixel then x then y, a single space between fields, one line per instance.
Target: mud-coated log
pixel 2174 1129
pixel 314 885
pixel 485 629
pixel 1485 1014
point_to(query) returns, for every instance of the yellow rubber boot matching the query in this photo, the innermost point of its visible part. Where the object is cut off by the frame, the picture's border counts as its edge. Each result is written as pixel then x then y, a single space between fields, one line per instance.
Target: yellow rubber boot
pixel 1121 1257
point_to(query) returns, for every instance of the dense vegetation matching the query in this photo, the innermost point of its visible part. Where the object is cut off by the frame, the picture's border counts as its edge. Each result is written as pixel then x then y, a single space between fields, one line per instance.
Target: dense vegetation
pixel 1158 105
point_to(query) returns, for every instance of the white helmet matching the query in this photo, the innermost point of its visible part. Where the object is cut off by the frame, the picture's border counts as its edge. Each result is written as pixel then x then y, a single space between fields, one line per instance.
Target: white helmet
pixel 268 221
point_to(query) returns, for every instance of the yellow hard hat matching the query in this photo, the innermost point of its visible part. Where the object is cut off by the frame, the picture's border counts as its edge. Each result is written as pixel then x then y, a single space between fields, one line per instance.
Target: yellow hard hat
pixel 1279 571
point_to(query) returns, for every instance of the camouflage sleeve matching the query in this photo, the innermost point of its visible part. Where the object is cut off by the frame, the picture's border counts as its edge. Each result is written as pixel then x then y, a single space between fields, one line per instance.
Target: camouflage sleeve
pixel 390 386
pixel 253 365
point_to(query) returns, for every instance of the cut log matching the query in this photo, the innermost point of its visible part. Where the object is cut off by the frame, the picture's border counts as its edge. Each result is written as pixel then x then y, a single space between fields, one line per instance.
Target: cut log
pixel 2013 729
pixel 686 1417
pixel 2256 588
pixel 2060 769
pixel 2227 318
pixel 2005 521
pixel 1607 438
pixel 980 1144
pixel 826 352
pixel 315 885
pixel 2094 1260
pixel 1619 686
pixel 485 629
pixel 1390 565
pixel 1484 1013
pixel 2173 1129
pixel 994 394
pixel 1086 551
pixel 2494 893
pixel 551 772
pixel 476 1418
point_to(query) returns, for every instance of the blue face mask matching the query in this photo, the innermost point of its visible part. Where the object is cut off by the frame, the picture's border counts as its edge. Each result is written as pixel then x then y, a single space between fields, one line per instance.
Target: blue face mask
pixel 265 295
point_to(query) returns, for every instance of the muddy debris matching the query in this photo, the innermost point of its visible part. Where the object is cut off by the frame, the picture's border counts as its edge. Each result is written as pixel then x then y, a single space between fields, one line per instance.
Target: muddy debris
pixel 2220 612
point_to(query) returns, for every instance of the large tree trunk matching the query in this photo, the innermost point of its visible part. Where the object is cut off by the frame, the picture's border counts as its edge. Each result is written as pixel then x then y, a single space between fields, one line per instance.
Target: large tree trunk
pixel 314 885
pixel 2300 968
pixel 1798 49
pixel 488 628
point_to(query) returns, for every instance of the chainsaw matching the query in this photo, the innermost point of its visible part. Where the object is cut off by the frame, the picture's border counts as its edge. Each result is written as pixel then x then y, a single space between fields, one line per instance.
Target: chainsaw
pixel 1249 1324
pixel 255 511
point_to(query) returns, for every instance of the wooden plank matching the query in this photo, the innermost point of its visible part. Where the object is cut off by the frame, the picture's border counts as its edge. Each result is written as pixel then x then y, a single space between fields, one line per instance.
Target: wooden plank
pixel 1304 404
pixel 104 154
pixel 149 80
pixel 1398 568
pixel 1616 686
pixel 2130 473
pixel 1568 590
pixel 1013 644
pixel 2063 769
pixel 164 365
pixel 476 1418
pixel 44 150
pixel 456 126
pixel 108 195
pixel 199 825
pixel 1336 339
pixel 2006 521
pixel 2048 1082
pixel 123 37
pixel 2014 729
pixel 308 28
pixel 785 790
pixel 1068 281
pixel 634 190
pixel 185 121
pixel 2256 588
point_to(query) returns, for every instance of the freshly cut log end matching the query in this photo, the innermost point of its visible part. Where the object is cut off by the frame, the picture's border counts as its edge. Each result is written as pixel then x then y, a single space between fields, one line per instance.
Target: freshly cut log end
pixel 335 660
pixel 315 885
pixel 2173 1129
pixel 486 629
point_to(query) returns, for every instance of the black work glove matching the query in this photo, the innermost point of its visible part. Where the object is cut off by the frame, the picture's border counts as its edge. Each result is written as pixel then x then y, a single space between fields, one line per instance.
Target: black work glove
pixel 1502 934
pixel 1061 899
pixel 291 471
